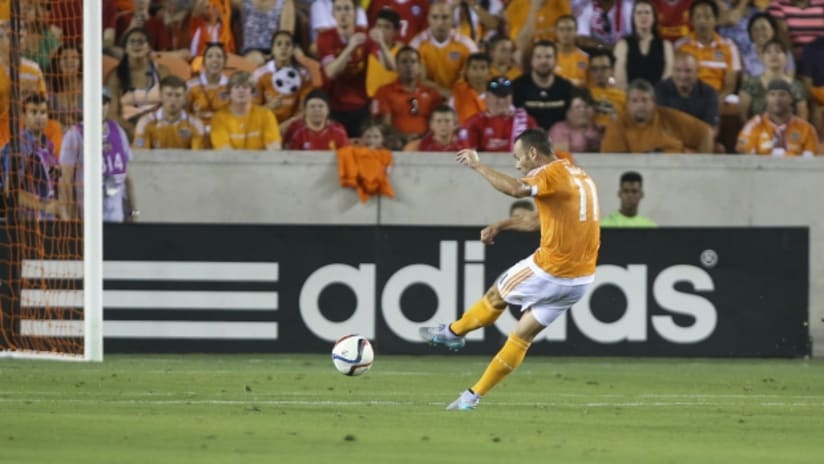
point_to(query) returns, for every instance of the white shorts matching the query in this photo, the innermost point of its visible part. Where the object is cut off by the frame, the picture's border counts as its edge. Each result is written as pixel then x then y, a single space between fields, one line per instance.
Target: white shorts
pixel 527 285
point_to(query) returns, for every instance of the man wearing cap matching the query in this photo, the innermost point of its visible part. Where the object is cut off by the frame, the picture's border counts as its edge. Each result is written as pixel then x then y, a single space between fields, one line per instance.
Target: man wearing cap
pixel 778 132
pixel 243 125
pixel 118 194
pixel 497 128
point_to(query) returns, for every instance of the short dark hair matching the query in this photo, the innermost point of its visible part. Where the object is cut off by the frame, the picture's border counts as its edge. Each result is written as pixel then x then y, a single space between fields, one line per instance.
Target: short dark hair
pixel 316 93
pixel 584 94
pixel 442 108
pixel 710 3
pixel 632 176
pixel 641 84
pixel 536 138
pixel 390 15
pixel 172 81
pixel 408 49
pixel 777 42
pixel 34 99
pixel 495 40
pixel 479 56
pixel 602 52
pixel 525 204
pixel 543 43
pixel 762 15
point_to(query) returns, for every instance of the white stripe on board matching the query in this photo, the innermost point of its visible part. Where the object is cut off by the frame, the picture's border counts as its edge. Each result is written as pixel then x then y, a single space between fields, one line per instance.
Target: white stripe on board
pixel 155 299
pixel 156 270
pixel 156 329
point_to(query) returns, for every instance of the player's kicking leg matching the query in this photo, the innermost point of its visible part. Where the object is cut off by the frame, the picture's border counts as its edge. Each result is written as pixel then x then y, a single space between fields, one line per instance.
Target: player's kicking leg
pixel 481 314
pixel 510 356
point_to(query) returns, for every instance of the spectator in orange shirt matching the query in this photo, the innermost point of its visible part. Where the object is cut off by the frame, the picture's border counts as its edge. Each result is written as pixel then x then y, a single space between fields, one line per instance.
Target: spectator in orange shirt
pixel 778 132
pixel 571 62
pixel 243 125
pixel 497 128
pixel 718 60
pixel 208 92
pixel 170 126
pixel 282 82
pixel 441 135
pixel 406 103
pixel 467 93
pixel 501 52
pixel 645 128
pixel 531 20
pixel 609 101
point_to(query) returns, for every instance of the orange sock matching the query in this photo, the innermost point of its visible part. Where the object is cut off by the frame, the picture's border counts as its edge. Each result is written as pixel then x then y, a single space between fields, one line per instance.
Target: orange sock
pixel 510 357
pixel 480 314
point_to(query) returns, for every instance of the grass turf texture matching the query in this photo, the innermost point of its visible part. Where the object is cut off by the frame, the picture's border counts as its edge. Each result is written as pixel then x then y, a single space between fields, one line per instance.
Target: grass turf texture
pixel 298 409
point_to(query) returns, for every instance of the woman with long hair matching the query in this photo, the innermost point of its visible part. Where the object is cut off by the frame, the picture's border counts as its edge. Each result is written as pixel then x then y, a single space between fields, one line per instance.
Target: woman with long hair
pixel 643 54
pixel 135 82
pixel 753 93
pixel 282 82
pixel 66 84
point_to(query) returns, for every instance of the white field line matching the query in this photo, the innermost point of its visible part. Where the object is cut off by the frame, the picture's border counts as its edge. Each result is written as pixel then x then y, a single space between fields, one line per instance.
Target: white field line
pixel 357 403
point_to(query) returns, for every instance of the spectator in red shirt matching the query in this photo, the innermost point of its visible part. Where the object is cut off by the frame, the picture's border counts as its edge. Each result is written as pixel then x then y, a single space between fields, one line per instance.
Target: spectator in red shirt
pixel 406 103
pixel 497 127
pixel 315 131
pixel 441 136
pixel 344 53
pixel 412 12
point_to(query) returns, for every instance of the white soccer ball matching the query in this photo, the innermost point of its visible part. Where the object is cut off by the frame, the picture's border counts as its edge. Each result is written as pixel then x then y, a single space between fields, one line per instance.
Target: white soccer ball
pixel 287 80
pixel 352 355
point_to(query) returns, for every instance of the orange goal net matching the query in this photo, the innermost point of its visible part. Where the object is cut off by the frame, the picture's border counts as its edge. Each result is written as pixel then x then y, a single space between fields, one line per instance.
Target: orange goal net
pixel 41 237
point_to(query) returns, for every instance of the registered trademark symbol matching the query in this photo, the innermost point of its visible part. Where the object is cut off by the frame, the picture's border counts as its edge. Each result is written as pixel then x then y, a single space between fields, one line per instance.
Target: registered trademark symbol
pixel 709 258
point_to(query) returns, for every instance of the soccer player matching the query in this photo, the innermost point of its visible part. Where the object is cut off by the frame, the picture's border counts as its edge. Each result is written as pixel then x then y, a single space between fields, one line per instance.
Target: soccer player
pixel 496 128
pixel 544 284
pixel 170 126
pixel 406 103
pixel 630 192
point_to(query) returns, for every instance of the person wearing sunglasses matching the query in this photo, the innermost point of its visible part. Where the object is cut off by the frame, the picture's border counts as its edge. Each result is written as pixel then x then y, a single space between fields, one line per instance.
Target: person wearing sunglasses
pixel 497 128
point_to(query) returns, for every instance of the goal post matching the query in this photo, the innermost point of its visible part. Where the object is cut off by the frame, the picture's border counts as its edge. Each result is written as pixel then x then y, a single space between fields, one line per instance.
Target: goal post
pixel 51 262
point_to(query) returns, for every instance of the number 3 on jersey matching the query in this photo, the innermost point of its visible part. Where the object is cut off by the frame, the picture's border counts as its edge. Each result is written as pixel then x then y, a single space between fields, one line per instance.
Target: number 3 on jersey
pixel 587 194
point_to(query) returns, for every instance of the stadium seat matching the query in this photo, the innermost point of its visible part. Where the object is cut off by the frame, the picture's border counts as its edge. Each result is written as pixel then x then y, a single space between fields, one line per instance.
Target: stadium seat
pixel 177 65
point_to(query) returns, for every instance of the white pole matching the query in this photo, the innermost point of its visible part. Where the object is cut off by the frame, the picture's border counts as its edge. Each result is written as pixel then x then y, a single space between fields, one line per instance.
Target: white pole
pixel 93 180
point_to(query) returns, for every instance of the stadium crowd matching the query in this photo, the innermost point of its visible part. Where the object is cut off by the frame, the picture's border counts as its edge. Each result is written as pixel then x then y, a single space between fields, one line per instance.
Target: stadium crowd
pixel 635 76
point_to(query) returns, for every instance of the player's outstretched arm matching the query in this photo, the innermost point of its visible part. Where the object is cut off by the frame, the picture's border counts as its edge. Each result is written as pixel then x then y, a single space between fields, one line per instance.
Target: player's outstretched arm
pixel 526 223
pixel 502 182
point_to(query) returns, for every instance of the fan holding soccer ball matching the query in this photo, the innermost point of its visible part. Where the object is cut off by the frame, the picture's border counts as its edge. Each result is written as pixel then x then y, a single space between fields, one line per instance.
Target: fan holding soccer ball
pixel 353 355
pixel 282 82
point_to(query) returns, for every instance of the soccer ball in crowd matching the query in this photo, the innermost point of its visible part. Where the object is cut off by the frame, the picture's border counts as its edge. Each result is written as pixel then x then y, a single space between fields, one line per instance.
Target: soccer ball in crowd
pixel 352 355
pixel 287 80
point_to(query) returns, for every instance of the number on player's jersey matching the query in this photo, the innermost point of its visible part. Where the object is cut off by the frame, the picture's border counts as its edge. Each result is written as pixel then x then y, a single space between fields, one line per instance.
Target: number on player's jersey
pixel 586 194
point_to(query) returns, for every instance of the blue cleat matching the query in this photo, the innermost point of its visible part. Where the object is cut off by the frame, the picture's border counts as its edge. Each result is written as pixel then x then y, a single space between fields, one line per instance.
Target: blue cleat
pixel 468 401
pixel 441 335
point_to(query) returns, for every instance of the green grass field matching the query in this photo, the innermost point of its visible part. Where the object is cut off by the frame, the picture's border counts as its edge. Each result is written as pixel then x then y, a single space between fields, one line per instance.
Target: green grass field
pixel 298 409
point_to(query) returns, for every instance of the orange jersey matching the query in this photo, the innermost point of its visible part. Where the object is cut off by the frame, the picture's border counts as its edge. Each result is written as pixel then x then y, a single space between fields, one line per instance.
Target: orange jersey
pixel 443 61
pixel 204 99
pixel 567 203
pixel 669 131
pixel 466 101
pixel 607 100
pixel 409 110
pixel 253 131
pixel 31 81
pixel 714 60
pixel 153 131
pixel 290 84
pixel 761 136
pixel 573 66
pixel 377 75
pixel 54 132
pixel 513 73
pixel 518 10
